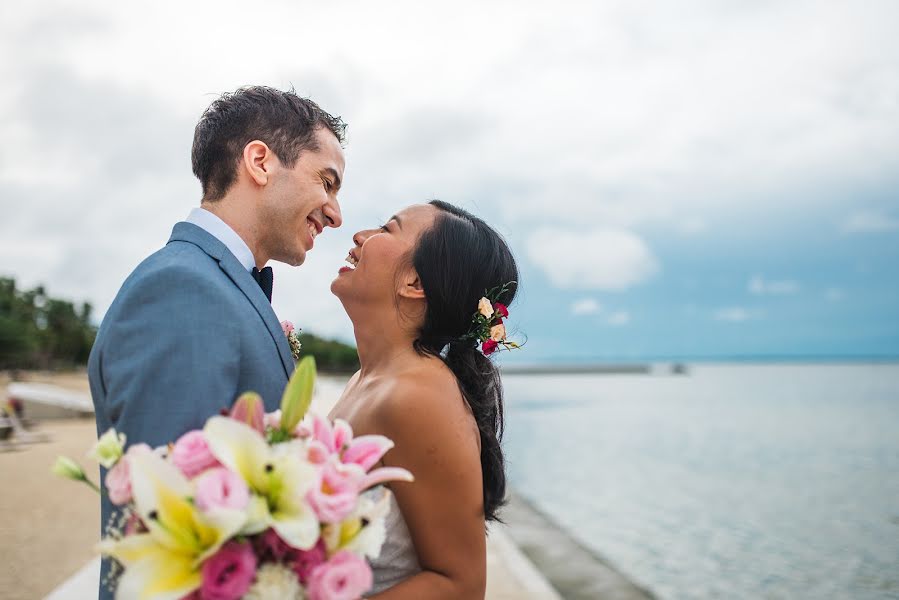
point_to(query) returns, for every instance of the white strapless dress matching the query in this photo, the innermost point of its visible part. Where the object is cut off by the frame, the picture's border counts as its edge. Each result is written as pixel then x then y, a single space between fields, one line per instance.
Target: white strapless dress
pixel 398 560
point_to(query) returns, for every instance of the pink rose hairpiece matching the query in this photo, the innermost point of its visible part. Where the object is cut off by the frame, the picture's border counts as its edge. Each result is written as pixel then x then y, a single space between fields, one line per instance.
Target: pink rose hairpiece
pixel 488 327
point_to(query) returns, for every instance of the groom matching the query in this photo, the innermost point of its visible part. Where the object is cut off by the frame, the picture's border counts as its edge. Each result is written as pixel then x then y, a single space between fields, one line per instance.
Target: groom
pixel 192 327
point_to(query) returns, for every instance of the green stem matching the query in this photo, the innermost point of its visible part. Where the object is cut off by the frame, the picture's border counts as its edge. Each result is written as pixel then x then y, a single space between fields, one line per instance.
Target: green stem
pixel 92 485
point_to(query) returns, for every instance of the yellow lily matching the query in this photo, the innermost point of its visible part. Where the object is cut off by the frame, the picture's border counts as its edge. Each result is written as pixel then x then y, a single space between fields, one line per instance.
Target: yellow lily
pixel 165 562
pixel 363 531
pixel 279 477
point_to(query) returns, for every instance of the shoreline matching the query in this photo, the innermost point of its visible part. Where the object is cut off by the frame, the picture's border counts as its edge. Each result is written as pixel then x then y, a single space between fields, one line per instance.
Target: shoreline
pixel 575 571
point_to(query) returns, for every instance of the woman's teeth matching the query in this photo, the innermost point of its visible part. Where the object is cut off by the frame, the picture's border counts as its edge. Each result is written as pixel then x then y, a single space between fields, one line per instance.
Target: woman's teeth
pixel 352 261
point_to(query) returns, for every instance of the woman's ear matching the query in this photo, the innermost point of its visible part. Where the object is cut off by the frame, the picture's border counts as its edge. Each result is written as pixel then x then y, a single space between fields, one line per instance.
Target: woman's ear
pixel 410 286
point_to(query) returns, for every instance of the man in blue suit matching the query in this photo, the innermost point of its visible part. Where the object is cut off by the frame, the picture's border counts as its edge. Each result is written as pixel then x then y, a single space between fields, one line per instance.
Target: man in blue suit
pixel 192 327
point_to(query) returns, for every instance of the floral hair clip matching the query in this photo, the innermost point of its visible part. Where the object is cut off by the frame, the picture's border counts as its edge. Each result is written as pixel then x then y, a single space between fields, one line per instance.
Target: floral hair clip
pixel 487 323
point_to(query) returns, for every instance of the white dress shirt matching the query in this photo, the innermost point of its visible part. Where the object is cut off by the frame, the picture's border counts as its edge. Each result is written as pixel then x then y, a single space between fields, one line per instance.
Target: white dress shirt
pixel 221 231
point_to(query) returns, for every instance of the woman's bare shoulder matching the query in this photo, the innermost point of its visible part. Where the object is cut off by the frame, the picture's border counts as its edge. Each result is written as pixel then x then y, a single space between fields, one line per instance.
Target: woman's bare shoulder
pixel 425 400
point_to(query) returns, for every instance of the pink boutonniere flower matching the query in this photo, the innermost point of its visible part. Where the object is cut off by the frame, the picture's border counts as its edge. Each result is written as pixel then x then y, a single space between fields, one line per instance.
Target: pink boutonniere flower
pixel 293 338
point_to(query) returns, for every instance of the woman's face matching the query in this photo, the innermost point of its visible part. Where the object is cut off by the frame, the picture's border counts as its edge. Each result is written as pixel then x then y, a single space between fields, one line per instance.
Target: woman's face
pixel 372 273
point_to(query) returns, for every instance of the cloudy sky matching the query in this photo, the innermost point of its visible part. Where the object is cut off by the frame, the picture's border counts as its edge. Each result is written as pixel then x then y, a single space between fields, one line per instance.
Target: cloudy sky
pixel 691 179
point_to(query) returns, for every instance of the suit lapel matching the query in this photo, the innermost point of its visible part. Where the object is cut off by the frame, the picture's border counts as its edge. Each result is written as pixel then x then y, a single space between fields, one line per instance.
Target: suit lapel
pixel 189 232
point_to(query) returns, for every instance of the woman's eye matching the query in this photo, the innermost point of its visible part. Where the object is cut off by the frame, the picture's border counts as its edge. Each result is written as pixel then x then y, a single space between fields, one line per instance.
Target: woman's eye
pixel 384 229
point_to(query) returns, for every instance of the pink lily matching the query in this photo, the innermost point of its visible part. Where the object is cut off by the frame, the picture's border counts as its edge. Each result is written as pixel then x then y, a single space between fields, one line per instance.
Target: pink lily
pixel 336 443
pixel 383 475
pixel 366 450
pixel 249 410
pixel 335 496
pixel 317 453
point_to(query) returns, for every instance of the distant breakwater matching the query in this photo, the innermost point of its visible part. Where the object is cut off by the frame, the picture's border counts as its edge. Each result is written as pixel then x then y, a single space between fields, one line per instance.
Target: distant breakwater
pixel 596 369
pixel 638 369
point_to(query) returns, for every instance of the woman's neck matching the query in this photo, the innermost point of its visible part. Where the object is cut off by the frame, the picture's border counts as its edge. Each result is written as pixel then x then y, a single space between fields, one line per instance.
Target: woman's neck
pixel 383 347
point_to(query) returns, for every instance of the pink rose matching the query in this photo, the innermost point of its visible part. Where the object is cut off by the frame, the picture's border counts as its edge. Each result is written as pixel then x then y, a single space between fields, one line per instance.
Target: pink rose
pixel 228 574
pixel 307 560
pixel 287 327
pixel 336 495
pixel 488 347
pixel 118 483
pixel 345 577
pixel 192 455
pixel 118 478
pixel 221 488
pixel 501 309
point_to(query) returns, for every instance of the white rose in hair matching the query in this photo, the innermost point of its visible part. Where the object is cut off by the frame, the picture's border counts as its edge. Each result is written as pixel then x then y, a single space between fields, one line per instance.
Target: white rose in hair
pixel 485 308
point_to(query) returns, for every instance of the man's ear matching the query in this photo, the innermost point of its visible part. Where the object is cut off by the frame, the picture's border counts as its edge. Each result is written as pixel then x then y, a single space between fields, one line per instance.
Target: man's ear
pixel 258 161
pixel 410 286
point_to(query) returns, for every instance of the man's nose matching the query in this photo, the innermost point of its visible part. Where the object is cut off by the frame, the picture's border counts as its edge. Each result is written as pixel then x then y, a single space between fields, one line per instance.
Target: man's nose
pixel 332 214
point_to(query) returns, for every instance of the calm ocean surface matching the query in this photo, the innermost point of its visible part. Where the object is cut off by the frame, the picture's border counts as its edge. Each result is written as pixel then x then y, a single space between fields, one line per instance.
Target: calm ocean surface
pixel 730 482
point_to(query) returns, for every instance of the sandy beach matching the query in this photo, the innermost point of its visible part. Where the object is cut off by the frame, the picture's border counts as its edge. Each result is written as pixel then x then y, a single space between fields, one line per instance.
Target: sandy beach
pixel 49 527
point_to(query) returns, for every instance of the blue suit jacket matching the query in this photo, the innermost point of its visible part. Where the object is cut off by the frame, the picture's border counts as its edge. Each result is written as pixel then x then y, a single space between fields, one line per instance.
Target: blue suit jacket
pixel 189 332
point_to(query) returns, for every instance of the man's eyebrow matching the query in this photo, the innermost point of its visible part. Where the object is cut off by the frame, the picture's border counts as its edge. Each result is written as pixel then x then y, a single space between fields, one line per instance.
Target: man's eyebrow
pixel 333 173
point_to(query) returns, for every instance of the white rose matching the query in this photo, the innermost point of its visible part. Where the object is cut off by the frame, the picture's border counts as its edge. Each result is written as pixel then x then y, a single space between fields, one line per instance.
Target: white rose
pixel 498 333
pixel 485 308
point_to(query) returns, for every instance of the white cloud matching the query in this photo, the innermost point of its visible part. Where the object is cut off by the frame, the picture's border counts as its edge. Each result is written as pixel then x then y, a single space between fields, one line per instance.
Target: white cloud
pixel 623 117
pixel 585 306
pixel 733 314
pixel 611 260
pixel 761 287
pixel 870 222
pixel 619 318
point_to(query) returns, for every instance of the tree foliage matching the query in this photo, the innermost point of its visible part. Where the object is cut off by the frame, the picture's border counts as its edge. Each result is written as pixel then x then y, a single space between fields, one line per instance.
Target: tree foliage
pixel 330 355
pixel 40 332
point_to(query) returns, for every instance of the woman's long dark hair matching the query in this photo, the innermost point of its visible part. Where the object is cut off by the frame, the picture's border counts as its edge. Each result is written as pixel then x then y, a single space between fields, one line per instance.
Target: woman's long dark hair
pixel 457 260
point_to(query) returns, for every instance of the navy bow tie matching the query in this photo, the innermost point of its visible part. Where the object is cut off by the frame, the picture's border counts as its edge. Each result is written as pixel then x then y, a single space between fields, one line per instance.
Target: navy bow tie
pixel 264 278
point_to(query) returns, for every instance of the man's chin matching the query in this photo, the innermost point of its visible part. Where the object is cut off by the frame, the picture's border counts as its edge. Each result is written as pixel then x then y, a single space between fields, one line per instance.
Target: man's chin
pixel 294 261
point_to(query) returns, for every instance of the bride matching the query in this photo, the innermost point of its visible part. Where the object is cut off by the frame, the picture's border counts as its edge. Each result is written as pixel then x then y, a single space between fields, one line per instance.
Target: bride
pixel 414 294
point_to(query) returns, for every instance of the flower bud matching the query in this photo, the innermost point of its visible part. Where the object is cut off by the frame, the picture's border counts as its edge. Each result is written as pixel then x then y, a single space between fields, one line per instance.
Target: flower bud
pixel 109 448
pixel 298 394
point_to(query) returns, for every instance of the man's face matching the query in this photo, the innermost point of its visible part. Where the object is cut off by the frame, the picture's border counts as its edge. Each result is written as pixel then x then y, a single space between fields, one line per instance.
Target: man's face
pixel 302 201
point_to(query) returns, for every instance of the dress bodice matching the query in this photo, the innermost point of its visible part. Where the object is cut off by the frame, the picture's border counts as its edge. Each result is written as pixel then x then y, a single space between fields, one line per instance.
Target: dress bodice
pixel 398 560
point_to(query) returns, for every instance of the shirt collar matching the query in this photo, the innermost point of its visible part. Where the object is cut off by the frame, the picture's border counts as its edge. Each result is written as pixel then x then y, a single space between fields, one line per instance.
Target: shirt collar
pixel 221 231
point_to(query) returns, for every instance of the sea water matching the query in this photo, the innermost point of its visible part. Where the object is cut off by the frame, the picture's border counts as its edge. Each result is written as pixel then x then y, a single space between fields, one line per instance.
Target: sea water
pixel 733 481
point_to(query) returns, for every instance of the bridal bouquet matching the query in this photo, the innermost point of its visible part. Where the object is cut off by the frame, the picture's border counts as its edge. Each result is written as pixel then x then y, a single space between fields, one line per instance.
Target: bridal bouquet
pixel 253 506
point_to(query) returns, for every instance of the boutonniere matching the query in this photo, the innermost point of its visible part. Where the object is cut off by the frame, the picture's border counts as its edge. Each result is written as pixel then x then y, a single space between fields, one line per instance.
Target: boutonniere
pixel 293 338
